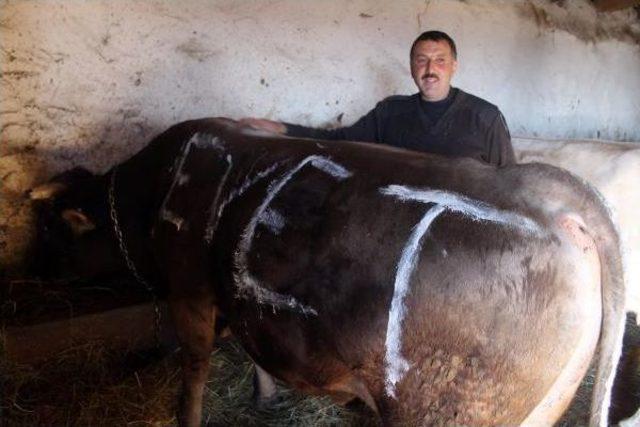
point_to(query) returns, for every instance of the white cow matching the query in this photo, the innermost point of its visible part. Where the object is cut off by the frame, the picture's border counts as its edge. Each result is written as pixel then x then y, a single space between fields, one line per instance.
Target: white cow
pixel 614 169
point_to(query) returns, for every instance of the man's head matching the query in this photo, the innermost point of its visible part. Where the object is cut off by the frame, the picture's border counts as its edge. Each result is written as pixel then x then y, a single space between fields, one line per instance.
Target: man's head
pixel 433 63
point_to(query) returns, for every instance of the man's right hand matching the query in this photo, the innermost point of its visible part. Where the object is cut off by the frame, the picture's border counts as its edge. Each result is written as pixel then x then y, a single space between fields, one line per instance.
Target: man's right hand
pixel 264 124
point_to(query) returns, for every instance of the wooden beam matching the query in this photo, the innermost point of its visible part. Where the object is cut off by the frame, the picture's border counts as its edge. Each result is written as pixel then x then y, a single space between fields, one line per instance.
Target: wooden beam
pixel 611 5
pixel 125 328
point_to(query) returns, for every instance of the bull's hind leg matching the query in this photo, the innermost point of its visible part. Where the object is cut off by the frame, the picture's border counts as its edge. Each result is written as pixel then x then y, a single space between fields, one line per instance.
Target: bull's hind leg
pixel 264 387
pixel 582 254
pixel 194 320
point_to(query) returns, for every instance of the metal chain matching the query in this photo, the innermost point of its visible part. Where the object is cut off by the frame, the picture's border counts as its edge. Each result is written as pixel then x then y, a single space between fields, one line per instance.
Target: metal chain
pixel 125 254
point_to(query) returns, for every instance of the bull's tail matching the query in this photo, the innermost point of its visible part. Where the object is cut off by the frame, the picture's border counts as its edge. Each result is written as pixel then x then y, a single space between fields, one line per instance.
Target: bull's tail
pixel 613 312
pixel 601 226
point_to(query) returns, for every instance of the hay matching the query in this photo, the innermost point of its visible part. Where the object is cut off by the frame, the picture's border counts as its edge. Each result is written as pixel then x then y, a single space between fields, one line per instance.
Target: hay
pixel 90 385
pixel 228 399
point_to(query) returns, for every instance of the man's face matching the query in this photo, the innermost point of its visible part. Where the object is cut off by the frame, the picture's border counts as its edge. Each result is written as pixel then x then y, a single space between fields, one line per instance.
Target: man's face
pixel 432 66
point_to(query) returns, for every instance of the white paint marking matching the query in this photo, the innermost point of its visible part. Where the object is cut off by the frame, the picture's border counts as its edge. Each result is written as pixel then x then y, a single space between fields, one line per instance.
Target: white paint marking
pixel 327 165
pixel 246 284
pixel 216 209
pixel 180 178
pixel 177 170
pixel 183 179
pixel 212 223
pixel 174 219
pixel 266 296
pixel 249 182
pixel 205 140
pixel 474 209
pixel 273 220
pixel 396 365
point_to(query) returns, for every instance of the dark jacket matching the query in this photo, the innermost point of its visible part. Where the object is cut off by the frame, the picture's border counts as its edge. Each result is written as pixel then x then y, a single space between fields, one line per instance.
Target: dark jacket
pixel 470 127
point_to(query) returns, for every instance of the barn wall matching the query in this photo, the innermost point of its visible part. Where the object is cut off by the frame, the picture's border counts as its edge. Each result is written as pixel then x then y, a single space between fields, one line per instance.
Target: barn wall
pixel 89 82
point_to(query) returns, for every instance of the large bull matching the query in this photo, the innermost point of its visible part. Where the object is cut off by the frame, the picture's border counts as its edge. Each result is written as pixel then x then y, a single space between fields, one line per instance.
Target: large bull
pixel 435 290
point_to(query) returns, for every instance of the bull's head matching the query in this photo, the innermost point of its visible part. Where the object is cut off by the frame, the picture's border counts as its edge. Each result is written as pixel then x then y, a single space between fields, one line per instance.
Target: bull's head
pixel 74 234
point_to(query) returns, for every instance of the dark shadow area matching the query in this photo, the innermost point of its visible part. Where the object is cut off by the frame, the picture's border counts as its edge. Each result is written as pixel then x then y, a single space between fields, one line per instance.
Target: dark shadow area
pixel 626 388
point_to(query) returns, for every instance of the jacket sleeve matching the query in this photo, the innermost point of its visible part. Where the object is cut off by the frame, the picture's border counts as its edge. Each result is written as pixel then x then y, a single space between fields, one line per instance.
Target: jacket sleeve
pixel 366 129
pixel 498 143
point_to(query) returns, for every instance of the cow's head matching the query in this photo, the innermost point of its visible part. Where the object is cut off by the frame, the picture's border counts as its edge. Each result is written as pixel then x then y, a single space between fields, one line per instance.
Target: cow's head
pixel 74 236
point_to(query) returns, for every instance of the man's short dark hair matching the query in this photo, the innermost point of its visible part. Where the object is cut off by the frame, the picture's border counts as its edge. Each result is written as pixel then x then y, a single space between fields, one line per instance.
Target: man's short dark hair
pixel 436 36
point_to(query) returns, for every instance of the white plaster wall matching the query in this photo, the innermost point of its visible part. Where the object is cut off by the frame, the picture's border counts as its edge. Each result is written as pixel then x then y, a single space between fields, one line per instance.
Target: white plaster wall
pixel 89 82
pixel 106 74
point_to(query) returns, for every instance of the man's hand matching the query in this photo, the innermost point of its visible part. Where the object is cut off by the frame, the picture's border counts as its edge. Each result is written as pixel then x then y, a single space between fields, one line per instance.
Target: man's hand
pixel 264 124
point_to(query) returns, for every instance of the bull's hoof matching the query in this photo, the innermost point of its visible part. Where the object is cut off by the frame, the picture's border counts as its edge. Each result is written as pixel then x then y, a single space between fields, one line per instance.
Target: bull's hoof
pixel 266 402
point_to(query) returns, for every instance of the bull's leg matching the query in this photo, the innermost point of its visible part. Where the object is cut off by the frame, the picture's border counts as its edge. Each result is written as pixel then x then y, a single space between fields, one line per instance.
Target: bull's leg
pixel 264 387
pixel 194 320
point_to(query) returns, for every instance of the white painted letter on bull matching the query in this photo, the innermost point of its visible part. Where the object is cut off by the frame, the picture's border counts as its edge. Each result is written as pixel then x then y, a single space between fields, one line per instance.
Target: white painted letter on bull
pixel 246 284
pixel 396 365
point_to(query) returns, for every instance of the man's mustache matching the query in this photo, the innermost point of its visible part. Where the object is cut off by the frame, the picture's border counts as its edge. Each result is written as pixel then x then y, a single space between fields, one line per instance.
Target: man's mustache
pixel 426 76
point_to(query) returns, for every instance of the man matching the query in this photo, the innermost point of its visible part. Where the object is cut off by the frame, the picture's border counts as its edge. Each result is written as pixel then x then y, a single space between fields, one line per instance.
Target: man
pixel 439 119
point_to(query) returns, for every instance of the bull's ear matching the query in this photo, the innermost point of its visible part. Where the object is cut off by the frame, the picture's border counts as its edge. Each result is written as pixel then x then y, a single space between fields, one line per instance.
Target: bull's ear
pixel 47 191
pixel 78 221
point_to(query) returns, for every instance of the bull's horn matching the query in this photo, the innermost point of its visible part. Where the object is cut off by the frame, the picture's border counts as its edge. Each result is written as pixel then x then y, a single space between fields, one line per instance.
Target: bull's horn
pixel 47 191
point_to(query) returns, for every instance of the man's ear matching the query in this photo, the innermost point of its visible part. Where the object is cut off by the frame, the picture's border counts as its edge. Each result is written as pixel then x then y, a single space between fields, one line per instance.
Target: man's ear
pixel 78 221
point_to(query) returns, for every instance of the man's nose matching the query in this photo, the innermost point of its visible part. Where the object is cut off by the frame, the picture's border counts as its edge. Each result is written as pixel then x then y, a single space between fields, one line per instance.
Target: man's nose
pixel 429 66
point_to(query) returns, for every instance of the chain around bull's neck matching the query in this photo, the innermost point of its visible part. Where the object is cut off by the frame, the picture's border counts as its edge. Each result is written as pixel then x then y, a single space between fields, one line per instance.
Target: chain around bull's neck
pixel 113 214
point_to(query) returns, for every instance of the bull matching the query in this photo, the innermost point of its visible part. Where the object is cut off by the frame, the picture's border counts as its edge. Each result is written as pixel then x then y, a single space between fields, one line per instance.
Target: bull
pixel 434 290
